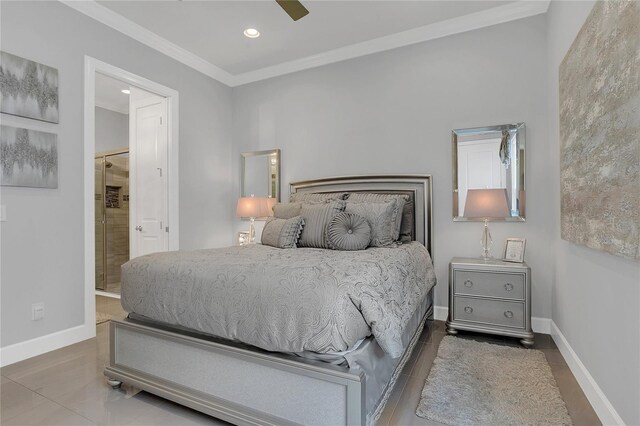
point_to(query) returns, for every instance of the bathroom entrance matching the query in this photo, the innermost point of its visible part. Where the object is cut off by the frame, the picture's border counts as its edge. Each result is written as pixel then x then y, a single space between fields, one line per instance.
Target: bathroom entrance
pixel 131 175
pixel 111 217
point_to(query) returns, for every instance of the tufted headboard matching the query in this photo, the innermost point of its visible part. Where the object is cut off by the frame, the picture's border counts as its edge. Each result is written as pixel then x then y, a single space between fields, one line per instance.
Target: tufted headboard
pixel 417 187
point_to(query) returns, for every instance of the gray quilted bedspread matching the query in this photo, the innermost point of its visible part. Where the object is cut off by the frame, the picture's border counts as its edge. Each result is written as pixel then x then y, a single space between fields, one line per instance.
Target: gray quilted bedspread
pixel 284 300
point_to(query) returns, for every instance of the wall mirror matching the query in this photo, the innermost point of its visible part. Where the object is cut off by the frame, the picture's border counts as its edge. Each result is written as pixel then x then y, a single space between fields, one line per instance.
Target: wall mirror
pixel 261 174
pixel 489 173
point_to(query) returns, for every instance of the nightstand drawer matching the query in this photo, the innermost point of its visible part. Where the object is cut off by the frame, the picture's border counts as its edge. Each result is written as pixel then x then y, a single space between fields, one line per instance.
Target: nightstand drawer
pixel 490 284
pixel 496 312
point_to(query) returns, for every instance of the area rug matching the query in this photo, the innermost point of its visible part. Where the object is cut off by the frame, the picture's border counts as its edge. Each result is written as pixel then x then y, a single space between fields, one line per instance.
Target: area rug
pixel 478 383
pixel 102 317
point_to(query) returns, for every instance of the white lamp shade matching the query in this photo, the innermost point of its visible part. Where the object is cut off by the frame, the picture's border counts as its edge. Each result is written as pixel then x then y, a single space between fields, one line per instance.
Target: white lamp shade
pixel 254 207
pixel 486 204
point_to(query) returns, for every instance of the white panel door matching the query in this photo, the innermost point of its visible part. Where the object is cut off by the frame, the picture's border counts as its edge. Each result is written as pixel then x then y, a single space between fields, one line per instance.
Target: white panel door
pixel 150 231
pixel 479 167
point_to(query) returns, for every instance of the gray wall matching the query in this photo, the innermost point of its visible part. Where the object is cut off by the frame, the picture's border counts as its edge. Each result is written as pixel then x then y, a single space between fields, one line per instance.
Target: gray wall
pixel 42 241
pixel 112 130
pixel 596 295
pixel 393 113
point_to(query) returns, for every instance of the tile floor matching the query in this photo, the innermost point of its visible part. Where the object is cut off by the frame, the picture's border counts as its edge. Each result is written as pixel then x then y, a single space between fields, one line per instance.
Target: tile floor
pixel 67 387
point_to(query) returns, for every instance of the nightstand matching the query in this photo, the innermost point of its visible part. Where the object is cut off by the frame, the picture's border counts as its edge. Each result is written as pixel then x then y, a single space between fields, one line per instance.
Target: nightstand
pixel 490 296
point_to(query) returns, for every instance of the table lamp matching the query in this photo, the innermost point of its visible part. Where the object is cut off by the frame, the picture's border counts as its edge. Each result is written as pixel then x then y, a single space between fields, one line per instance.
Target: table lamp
pixel 254 207
pixel 486 204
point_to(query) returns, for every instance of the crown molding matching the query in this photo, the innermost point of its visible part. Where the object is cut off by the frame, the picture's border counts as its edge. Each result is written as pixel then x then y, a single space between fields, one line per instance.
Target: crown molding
pixel 111 107
pixel 461 24
pixel 473 21
pixel 129 28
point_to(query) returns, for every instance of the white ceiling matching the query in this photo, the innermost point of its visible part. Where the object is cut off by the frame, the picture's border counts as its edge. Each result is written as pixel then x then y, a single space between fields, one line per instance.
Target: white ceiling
pixel 213 30
pixel 206 35
pixel 109 94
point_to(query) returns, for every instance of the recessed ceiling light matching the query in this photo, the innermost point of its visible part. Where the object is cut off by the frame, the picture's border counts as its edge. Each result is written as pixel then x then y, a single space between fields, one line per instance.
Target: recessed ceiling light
pixel 126 91
pixel 252 33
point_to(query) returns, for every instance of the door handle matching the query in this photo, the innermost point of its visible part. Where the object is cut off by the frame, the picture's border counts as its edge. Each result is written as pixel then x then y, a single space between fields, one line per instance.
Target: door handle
pixel 139 228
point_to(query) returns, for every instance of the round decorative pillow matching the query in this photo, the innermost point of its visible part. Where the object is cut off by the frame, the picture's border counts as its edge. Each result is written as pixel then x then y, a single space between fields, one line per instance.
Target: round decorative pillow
pixel 348 231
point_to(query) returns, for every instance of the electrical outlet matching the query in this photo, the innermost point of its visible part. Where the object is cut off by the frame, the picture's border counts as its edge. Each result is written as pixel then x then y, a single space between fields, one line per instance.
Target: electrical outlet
pixel 37 311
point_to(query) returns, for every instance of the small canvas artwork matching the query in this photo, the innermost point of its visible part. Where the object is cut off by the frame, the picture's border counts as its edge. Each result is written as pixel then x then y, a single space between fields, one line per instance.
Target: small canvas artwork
pixel 28 158
pixel 600 132
pixel 28 89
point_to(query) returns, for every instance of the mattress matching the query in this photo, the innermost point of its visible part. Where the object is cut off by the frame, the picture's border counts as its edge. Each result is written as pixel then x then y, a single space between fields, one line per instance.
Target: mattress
pixel 300 300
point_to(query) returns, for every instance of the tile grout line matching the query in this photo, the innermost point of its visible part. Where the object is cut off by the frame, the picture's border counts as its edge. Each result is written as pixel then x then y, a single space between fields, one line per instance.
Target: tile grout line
pixel 46 398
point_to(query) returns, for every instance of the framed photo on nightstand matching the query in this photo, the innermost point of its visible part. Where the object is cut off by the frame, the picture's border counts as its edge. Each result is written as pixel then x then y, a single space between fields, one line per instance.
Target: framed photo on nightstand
pixel 514 250
pixel 243 238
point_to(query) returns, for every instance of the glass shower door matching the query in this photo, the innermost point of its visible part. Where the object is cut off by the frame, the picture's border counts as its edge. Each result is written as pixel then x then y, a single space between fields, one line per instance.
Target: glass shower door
pixel 99 223
pixel 117 218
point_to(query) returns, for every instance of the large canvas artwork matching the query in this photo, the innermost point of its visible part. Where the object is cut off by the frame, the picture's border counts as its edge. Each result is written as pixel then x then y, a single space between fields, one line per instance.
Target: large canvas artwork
pixel 28 158
pixel 600 132
pixel 28 89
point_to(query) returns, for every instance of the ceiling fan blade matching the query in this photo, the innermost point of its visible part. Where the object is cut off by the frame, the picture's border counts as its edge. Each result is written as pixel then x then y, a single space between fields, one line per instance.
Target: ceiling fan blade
pixel 294 8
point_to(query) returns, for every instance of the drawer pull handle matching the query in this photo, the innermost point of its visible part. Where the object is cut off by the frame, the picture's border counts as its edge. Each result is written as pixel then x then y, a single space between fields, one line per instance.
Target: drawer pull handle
pixel 469 309
pixel 468 283
pixel 508 286
pixel 508 314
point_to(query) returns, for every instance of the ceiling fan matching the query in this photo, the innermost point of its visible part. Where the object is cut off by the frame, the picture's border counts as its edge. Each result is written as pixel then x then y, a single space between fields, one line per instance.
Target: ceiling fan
pixel 294 8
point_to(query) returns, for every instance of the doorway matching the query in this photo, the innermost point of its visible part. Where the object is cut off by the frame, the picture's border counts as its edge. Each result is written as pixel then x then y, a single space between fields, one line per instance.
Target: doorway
pixel 112 218
pixel 130 195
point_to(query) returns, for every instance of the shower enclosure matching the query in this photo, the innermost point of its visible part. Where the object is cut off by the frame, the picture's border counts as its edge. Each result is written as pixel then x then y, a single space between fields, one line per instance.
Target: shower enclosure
pixel 111 217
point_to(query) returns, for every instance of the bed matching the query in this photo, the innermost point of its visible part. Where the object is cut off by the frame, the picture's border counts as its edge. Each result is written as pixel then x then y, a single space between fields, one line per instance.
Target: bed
pixel 333 364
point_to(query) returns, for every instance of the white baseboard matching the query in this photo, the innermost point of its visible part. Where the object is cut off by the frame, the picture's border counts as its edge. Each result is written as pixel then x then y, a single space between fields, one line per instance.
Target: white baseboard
pixel 40 345
pixel 107 294
pixel 539 325
pixel 440 313
pixel 599 401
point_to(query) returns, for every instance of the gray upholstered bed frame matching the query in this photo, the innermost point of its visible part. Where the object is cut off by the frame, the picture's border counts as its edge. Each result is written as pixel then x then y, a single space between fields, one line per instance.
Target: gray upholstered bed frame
pixel 246 386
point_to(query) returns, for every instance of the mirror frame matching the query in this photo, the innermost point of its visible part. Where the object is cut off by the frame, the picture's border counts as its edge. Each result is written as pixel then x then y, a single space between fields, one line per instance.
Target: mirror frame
pixel 268 152
pixel 520 144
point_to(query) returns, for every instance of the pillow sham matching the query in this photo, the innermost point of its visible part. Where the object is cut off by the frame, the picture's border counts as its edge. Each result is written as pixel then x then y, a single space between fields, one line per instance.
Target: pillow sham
pixel 307 197
pixel 286 210
pixel 282 233
pixel 316 218
pixel 348 231
pixel 383 218
pixel 406 220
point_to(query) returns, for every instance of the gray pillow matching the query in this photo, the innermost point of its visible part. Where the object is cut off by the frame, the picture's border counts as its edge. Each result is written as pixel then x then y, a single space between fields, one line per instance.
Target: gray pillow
pixel 347 231
pixel 384 219
pixel 316 218
pixel 307 197
pixel 282 233
pixel 406 221
pixel 287 210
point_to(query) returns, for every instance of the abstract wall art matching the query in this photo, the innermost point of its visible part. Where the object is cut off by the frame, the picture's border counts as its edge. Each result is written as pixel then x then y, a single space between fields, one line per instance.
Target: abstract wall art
pixel 28 89
pixel 600 132
pixel 28 158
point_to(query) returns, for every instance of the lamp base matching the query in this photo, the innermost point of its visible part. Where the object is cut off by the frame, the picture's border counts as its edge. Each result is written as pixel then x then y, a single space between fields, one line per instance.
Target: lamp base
pixel 486 242
pixel 252 231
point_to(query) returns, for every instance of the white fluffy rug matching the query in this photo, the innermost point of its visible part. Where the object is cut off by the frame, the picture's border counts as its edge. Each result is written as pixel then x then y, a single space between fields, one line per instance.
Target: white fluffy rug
pixel 477 383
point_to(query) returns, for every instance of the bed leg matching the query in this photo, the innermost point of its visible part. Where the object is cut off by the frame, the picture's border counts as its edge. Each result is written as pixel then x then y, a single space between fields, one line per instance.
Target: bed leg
pixel 115 384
